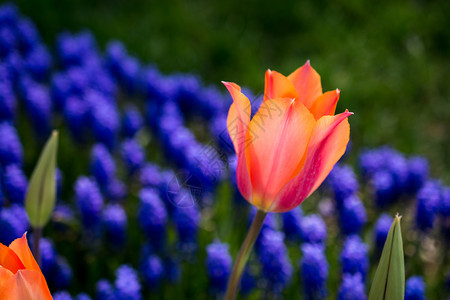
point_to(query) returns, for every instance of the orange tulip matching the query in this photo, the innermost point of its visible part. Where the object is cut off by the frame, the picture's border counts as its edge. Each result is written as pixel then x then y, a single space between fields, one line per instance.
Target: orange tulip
pixel 20 275
pixel 291 144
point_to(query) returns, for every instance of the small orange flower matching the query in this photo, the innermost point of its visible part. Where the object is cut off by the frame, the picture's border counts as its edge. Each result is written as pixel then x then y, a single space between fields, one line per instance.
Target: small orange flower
pixel 291 144
pixel 20 275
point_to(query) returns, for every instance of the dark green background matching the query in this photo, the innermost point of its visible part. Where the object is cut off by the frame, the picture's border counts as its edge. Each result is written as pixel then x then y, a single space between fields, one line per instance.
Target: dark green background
pixel 389 58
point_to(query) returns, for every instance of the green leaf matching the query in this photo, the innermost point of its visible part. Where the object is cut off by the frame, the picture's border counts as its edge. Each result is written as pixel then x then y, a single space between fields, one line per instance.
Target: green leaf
pixel 40 199
pixel 389 280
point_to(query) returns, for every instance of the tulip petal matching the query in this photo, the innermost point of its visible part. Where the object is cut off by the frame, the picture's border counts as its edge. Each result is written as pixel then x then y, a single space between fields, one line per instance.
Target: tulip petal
pixel 26 285
pixel 325 104
pixel 327 144
pixel 9 259
pixel 278 86
pixel 307 83
pixel 278 137
pixel 237 124
pixel 5 274
pixel 21 248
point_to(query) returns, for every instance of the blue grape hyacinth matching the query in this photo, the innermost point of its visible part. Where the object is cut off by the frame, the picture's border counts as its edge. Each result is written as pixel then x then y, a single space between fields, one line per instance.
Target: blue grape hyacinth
pixel 152 271
pixel 354 256
pixel 11 151
pixel 132 154
pixel 48 256
pixel 116 190
pixel 418 171
pixel 383 186
pixel 38 104
pixel 187 220
pixel 428 201
pixel 13 223
pixel 61 275
pixel 102 165
pixel 444 207
pixel 314 271
pixel 132 121
pixel 276 267
pixel 15 184
pixel 343 182
pixel 115 224
pixel 105 118
pixel 89 201
pixel 8 101
pixel 104 290
pixel 152 216
pixel 292 224
pixel 313 229
pixel 38 62
pixel 218 265
pixel 62 295
pixel 415 288
pixel 381 230
pixel 150 176
pixel 352 215
pixel 352 288
pixel 82 296
pixel 127 284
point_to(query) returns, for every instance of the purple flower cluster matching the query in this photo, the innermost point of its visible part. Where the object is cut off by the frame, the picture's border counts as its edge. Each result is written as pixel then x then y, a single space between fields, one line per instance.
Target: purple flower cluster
pixel 55 267
pixel 11 150
pixel 125 68
pixel 85 91
pixel 277 270
pixel 21 50
pixel 102 165
pixel 292 221
pixel 415 288
pixel 132 121
pixel 152 216
pixel 381 230
pixel 352 213
pixel 126 286
pixel 355 256
pixel 152 270
pixel 313 230
pixel 203 163
pixel 133 155
pixel 115 222
pixel 15 184
pixel 218 265
pixel 391 174
pixel 187 220
pixel 13 223
pixel 352 288
pixel 428 204
pixel 89 201
pixel 314 271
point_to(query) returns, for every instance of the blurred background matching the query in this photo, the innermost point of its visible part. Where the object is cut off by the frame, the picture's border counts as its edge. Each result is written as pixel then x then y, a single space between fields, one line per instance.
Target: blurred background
pixel 134 89
pixel 390 59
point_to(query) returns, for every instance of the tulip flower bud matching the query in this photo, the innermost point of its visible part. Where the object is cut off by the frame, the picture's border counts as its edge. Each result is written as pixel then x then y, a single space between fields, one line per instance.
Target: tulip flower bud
pixel 389 280
pixel 40 198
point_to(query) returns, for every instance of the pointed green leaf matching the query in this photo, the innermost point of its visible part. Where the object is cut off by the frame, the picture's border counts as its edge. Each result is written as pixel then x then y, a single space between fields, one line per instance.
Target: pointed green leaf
pixel 389 280
pixel 40 199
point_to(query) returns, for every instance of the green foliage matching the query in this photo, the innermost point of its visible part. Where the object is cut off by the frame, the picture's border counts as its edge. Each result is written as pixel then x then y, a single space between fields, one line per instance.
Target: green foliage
pixel 40 199
pixel 389 58
pixel 389 280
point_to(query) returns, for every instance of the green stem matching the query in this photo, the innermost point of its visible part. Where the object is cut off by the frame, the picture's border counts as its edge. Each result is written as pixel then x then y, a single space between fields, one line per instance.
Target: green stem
pixel 244 253
pixel 37 234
